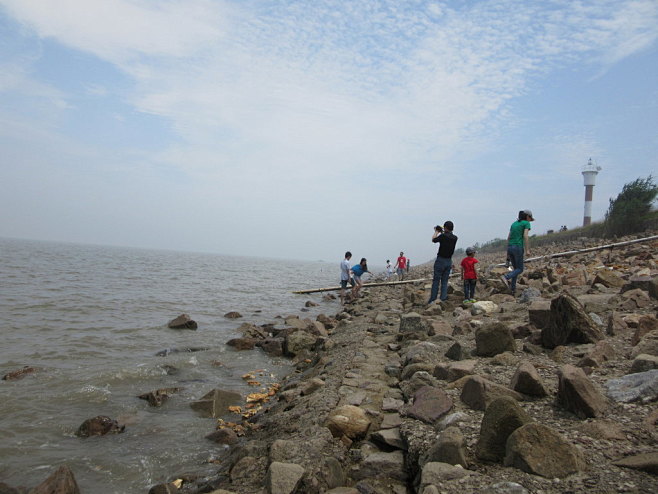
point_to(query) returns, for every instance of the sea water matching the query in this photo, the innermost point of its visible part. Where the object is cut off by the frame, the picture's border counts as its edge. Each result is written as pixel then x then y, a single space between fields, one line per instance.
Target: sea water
pixel 91 319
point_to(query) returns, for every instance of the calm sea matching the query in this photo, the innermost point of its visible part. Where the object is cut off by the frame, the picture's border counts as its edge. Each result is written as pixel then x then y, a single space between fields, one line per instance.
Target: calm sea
pixel 92 319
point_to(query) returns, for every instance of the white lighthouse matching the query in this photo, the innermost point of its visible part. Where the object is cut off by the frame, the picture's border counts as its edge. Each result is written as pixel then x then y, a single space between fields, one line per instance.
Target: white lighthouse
pixel 590 170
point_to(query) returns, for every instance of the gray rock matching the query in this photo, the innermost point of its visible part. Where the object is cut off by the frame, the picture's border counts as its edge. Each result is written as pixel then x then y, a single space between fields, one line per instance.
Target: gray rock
pixel 526 380
pixel 646 462
pixel 283 478
pixel 537 449
pixel 644 363
pixel 391 420
pixel 429 404
pixel 502 417
pixel 182 322
pixel 505 488
pixel 455 352
pixel 539 313
pixel 412 323
pixel 478 392
pixel 298 341
pixel 648 344
pixel 577 394
pixel 223 436
pixel 647 283
pixel 642 387
pixel 379 465
pixel 494 339
pixel 99 426
pixel 609 279
pixel 436 473
pixel 529 294
pixel 332 472
pixel 390 438
pixel 449 448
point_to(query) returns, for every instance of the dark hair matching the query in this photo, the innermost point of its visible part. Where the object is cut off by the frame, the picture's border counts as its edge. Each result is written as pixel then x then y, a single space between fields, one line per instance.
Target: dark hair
pixel 363 259
pixel 449 226
pixel 348 254
pixel 522 216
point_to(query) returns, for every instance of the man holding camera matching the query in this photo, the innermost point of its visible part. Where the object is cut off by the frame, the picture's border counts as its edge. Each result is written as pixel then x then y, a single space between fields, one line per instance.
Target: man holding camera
pixel 443 264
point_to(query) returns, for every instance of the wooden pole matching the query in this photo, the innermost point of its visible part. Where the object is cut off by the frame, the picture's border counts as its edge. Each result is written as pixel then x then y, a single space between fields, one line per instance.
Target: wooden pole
pixel 590 249
pixel 365 285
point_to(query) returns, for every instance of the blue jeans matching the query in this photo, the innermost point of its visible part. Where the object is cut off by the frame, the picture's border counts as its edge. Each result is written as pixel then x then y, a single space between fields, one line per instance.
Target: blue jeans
pixel 469 289
pixel 442 268
pixel 515 253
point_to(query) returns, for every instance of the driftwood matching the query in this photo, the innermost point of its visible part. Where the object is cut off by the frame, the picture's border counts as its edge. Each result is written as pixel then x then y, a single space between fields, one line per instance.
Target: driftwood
pixel 365 285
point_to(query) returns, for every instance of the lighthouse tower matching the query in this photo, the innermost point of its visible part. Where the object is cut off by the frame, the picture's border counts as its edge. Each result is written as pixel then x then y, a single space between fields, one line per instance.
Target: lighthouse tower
pixel 590 170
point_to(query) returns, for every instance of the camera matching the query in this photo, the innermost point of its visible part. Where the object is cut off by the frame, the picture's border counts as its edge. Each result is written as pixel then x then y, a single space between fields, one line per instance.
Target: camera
pixel 438 228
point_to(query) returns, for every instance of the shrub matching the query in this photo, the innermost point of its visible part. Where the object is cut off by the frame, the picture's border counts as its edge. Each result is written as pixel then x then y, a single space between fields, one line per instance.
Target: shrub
pixel 629 212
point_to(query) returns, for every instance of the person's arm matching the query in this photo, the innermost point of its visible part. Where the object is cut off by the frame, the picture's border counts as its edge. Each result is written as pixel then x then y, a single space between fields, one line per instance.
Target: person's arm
pixel 526 243
pixel 462 266
pixel 437 234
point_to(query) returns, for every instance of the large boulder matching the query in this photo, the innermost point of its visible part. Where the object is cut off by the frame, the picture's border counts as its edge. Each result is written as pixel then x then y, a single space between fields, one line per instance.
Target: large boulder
pixel 539 450
pixel 526 380
pixel 569 323
pixel 502 417
pixel 577 394
pixel 494 339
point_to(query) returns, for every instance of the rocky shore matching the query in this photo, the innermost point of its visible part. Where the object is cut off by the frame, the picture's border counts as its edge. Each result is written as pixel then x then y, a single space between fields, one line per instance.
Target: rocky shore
pixel 553 391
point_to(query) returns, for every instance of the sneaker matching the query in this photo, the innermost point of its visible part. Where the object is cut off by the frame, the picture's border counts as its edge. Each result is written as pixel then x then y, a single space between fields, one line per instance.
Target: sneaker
pixel 472 300
pixel 467 301
pixel 506 281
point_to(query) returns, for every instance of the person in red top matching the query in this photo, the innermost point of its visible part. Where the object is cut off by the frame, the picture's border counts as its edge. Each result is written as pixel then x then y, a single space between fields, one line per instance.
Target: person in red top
pixel 469 274
pixel 401 266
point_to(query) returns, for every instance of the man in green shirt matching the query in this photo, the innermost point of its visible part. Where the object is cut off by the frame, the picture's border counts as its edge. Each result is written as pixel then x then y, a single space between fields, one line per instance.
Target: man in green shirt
pixel 517 247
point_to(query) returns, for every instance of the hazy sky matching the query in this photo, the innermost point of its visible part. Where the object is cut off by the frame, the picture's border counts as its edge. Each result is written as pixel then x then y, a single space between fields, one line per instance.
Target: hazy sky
pixel 301 129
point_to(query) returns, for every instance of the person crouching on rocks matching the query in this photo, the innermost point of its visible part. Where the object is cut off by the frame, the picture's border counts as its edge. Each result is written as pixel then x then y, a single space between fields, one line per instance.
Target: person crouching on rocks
pixel 358 271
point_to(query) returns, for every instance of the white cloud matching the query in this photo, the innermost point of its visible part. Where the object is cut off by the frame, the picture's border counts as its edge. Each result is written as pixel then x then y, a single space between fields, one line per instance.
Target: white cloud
pixel 287 99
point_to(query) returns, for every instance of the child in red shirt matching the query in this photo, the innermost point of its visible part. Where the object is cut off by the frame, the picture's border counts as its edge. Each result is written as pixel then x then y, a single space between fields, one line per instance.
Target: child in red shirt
pixel 469 274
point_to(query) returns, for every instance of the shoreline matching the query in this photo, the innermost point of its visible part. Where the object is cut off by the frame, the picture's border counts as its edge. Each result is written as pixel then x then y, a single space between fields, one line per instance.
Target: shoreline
pixel 380 355
pixel 388 395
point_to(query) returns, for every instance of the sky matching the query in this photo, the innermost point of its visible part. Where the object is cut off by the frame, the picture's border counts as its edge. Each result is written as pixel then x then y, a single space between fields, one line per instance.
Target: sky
pixel 302 129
